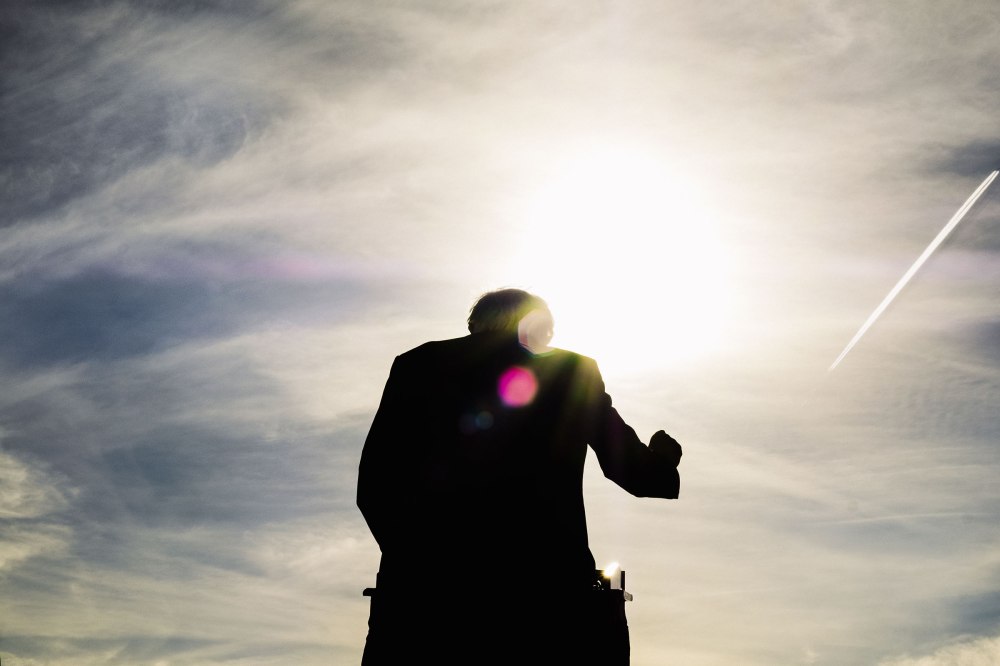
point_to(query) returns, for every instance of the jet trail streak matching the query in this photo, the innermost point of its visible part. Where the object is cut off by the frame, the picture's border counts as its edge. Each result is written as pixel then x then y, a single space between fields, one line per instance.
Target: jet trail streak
pixel 952 223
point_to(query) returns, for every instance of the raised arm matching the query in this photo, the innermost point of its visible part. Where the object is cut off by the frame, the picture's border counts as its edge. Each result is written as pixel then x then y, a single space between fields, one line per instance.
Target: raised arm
pixel 643 471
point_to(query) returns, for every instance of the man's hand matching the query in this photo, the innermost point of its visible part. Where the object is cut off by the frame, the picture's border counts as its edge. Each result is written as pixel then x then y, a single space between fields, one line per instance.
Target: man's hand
pixel 664 445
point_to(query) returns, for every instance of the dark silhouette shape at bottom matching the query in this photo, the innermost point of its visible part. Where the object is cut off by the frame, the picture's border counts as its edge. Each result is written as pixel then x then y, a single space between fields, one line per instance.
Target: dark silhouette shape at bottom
pixel 524 626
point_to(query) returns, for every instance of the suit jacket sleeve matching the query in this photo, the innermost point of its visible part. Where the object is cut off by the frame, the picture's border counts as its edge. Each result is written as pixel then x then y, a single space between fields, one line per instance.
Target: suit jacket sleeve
pixel 624 458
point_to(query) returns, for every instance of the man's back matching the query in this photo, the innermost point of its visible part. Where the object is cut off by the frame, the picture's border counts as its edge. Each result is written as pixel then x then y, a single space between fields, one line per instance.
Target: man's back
pixel 488 482
pixel 471 482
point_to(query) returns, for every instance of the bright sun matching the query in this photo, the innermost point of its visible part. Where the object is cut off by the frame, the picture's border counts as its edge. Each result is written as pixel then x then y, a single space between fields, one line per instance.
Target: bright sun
pixel 629 260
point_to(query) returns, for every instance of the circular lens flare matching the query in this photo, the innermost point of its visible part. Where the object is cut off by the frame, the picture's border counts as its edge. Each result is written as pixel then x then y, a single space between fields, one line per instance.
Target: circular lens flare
pixel 517 386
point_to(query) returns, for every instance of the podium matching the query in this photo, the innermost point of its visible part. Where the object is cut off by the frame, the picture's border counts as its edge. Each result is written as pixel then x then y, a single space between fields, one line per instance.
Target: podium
pixel 587 628
pixel 610 625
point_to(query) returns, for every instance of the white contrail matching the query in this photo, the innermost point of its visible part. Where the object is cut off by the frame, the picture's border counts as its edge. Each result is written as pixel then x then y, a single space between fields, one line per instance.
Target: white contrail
pixel 952 223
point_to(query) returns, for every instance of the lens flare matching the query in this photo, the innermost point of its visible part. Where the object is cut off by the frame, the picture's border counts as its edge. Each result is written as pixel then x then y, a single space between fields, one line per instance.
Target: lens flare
pixel 517 386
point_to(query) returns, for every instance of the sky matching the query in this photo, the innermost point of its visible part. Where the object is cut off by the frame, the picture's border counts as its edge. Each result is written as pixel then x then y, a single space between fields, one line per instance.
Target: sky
pixel 222 220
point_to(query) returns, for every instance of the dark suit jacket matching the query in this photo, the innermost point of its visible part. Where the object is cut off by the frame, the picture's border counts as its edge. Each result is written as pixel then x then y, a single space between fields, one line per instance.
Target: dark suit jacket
pixel 457 485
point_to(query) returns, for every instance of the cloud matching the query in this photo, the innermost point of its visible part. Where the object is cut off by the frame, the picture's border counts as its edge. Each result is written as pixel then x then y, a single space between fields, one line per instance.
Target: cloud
pixel 84 109
pixel 983 339
pixel 974 652
pixel 26 491
pixel 104 315
pixel 976 158
pixel 192 441
pixel 31 500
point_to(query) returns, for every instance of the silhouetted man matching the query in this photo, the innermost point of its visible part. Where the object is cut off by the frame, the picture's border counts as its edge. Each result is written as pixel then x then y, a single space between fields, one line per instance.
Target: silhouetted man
pixel 471 482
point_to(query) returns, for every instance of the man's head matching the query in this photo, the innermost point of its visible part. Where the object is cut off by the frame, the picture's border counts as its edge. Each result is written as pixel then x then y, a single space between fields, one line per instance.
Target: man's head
pixel 503 310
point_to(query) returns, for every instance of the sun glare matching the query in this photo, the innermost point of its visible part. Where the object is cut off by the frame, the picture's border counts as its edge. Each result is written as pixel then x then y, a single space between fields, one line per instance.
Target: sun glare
pixel 626 253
